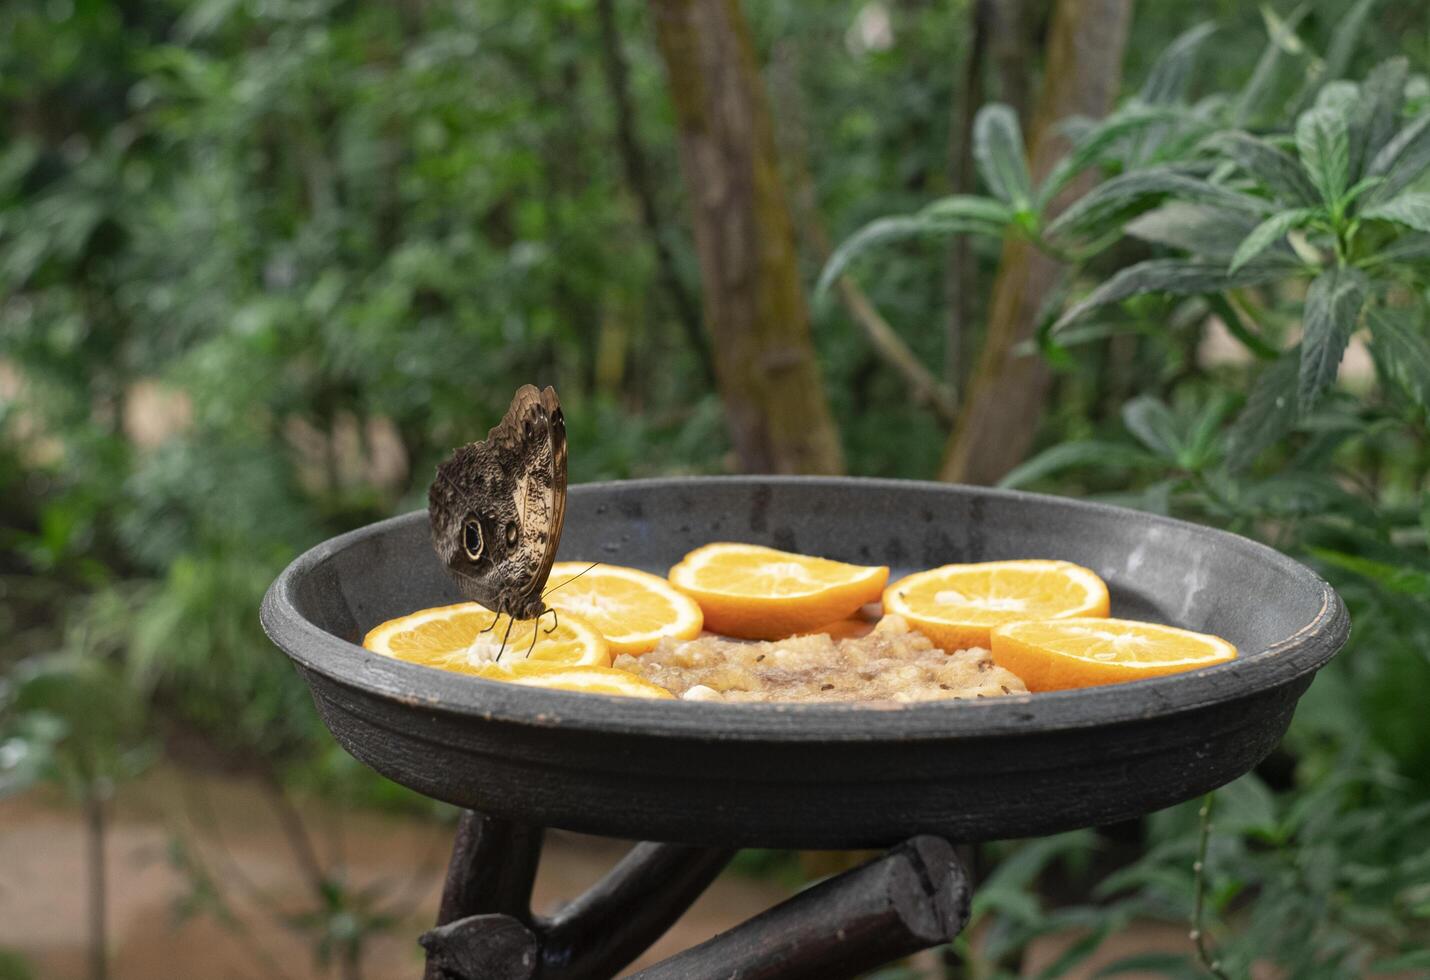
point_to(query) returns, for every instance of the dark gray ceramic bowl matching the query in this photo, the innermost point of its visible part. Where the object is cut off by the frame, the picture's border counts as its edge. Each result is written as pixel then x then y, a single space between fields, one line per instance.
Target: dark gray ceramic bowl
pixel 821 775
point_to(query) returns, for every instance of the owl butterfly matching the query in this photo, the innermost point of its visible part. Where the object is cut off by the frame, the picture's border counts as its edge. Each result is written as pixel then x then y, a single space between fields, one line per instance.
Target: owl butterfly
pixel 496 507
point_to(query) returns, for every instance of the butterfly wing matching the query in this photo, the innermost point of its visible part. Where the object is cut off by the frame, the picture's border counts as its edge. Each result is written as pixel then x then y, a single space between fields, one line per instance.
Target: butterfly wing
pixel 497 506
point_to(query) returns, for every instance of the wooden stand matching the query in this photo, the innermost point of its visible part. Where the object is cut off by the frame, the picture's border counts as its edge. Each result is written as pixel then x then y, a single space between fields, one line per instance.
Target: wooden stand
pixel 912 897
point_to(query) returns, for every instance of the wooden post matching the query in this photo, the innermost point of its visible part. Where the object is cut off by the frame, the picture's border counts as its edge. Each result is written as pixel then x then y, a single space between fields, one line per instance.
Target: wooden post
pixel 631 907
pixel 754 305
pixel 914 897
pixel 491 871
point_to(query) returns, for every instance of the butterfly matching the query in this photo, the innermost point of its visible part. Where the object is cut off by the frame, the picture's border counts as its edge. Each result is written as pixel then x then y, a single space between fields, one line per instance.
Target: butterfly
pixel 496 507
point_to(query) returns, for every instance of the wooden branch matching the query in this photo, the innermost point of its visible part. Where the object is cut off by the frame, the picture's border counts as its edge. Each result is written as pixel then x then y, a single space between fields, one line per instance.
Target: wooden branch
pixel 492 869
pixel 480 946
pixel 924 387
pixel 631 907
pixel 633 160
pixel 914 897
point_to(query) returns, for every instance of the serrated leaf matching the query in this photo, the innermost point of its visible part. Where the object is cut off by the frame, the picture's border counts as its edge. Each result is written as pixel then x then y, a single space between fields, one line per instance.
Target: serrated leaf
pixel 1088 452
pixel 1406 248
pixel 1402 160
pixel 1405 349
pixel 1333 304
pixel 1151 422
pixel 1377 112
pixel 1324 146
pixel 1167 81
pixel 1270 231
pixel 1112 199
pixel 998 151
pixel 1102 136
pixel 1209 232
pixel 1270 412
pixel 949 216
pixel 1411 209
pixel 1177 277
pixel 1273 167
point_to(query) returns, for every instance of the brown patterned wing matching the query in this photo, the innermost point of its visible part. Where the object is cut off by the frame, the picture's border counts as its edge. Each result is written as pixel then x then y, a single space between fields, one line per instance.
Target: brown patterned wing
pixel 497 506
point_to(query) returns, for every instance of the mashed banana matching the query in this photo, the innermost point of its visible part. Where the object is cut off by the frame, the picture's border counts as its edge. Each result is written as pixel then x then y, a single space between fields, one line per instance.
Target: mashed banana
pixel 891 663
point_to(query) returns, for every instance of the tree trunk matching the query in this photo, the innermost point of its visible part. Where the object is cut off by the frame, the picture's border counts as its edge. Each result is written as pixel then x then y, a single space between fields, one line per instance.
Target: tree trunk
pixel 754 306
pixel 1004 402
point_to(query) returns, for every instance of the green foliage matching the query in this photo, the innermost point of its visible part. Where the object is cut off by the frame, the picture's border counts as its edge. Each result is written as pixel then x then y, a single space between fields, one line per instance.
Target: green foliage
pixel 1290 216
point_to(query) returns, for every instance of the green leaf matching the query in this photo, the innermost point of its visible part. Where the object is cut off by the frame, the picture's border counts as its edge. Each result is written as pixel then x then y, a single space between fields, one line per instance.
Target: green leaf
pixel 1281 41
pixel 998 150
pixel 1091 146
pixel 948 216
pixel 1324 146
pixel 1270 412
pixel 1152 423
pixel 1270 231
pixel 1416 960
pixel 1411 208
pixel 1333 304
pixel 1202 230
pixel 1067 455
pixel 1406 248
pixel 1344 38
pixel 1400 338
pixel 1177 277
pixel 1111 200
pixel 1405 579
pixel 1273 167
pixel 1377 112
pixel 1230 319
pixel 1167 81
pixel 1402 160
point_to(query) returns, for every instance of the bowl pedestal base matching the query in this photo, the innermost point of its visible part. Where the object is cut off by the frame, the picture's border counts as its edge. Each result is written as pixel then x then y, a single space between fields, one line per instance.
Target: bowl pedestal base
pixel 914 896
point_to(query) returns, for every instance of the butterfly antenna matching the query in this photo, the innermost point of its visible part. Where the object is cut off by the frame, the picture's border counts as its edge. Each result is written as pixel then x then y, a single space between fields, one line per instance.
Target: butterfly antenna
pixel 555 619
pixel 509 621
pixel 570 580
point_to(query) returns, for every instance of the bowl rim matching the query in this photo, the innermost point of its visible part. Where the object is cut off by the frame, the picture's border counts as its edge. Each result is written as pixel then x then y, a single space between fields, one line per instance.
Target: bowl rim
pixel 349 665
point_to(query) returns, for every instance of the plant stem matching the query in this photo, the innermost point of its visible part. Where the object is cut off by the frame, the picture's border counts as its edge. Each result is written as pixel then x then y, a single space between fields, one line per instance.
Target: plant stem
pixel 1198 934
pixel 94 818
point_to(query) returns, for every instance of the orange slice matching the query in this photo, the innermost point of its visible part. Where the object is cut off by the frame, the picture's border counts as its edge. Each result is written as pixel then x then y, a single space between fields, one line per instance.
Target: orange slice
pixel 956 605
pixel 634 610
pixel 587 680
pixel 758 593
pixel 1055 654
pixel 452 638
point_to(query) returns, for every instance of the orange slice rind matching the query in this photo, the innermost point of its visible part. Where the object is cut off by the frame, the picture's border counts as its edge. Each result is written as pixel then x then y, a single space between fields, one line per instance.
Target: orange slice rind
pixel 585 680
pixel 758 593
pixel 633 610
pixel 957 605
pixel 1056 654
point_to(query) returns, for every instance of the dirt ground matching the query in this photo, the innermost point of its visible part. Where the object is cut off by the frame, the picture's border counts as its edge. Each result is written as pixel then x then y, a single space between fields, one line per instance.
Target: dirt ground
pixel 242 844
pixel 232 828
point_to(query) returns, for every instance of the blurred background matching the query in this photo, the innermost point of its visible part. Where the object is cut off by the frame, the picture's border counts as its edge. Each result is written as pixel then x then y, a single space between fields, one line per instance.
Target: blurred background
pixel 264 262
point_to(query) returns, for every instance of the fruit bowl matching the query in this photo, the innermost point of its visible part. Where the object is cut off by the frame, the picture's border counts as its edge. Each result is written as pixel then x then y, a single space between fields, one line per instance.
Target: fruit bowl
pixel 821 775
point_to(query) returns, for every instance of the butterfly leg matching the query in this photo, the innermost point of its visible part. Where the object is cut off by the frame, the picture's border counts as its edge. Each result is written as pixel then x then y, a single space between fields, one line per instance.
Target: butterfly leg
pixel 506 636
pixel 534 624
pixel 490 626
